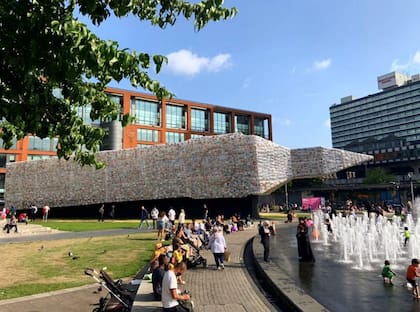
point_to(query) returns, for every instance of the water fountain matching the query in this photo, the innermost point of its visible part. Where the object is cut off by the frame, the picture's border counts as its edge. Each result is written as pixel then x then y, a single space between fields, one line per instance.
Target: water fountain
pixel 366 241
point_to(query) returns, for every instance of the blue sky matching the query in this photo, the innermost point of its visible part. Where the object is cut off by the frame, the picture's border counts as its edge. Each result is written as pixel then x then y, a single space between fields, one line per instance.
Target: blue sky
pixel 291 59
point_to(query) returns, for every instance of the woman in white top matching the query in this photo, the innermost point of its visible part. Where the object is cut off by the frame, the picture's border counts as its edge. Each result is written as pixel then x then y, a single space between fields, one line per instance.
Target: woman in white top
pixel 218 246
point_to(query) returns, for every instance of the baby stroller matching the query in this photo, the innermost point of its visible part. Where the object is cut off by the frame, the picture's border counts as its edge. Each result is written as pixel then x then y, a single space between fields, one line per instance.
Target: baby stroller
pixel 120 296
pixel 196 259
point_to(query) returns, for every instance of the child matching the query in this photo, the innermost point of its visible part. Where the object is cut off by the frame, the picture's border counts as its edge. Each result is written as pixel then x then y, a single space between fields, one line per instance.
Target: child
pixel 406 235
pixel 411 275
pixel 387 273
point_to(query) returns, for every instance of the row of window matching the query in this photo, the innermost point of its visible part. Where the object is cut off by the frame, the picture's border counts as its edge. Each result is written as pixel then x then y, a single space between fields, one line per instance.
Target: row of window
pixel 9 158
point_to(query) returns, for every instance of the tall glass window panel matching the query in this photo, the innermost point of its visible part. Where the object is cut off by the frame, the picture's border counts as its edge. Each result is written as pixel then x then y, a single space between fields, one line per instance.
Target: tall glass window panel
pixel 84 113
pixel 221 122
pixel 175 116
pixel 147 135
pixel 47 144
pixel 13 144
pixel 174 137
pixel 199 120
pixel 118 99
pixel 259 127
pixel 146 112
pixel 242 124
pixel 6 158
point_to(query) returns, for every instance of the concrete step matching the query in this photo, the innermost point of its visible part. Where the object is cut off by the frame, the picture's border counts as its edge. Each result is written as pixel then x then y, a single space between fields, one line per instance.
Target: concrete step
pixel 27 229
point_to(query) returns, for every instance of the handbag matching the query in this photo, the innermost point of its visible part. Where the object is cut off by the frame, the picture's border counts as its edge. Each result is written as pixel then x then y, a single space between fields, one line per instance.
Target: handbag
pixel 187 305
pixel 226 256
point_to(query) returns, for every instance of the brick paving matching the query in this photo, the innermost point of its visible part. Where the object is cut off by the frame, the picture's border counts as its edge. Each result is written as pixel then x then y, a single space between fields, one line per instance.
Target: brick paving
pixel 229 290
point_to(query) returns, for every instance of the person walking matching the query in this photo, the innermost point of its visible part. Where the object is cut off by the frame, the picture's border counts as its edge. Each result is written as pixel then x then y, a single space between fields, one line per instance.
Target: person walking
pixel 112 213
pixel 45 212
pixel 218 247
pixel 101 212
pixel 264 231
pixel 171 215
pixel 411 276
pixel 144 214
pixel 161 225
pixel 154 214
pixel 34 210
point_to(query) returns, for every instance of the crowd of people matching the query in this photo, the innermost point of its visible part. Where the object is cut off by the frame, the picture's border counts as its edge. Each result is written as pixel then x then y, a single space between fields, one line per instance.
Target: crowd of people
pixel 178 243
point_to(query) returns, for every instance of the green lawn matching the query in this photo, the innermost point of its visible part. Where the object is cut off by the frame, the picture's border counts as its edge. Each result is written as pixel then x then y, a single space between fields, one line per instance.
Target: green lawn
pixel 41 266
pixel 88 225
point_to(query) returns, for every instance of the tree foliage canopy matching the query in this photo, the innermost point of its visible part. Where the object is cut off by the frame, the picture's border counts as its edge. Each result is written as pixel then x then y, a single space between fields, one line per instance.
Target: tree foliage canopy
pixel 378 176
pixel 44 48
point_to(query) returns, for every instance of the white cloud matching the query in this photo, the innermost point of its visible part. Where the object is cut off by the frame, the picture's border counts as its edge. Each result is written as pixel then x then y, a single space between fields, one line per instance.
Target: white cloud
pixel 246 83
pixel 321 65
pixel 412 64
pixel 327 123
pixel 286 122
pixel 184 62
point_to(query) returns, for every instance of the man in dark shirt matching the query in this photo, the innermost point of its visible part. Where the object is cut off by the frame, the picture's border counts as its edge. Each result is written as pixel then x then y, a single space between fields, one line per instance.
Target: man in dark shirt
pixel 157 276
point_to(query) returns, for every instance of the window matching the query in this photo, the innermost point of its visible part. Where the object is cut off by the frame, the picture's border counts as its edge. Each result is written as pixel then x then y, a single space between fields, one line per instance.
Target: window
pixel 84 113
pixel 47 144
pixel 261 127
pixel 118 99
pixel 147 135
pixel 6 158
pixel 195 136
pixel 13 144
pixel 175 116
pixel 146 112
pixel 221 122
pixel 173 137
pixel 199 120
pixel 242 124
pixel 38 157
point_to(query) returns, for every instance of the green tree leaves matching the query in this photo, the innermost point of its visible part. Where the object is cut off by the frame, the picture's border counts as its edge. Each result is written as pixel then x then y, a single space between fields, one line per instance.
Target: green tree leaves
pixel 44 48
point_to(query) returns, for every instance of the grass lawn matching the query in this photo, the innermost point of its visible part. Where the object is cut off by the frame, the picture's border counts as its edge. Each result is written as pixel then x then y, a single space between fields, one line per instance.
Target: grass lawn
pixel 89 225
pixel 37 267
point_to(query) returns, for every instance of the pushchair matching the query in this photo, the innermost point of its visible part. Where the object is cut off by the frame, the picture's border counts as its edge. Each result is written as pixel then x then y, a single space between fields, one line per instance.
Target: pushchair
pixel 196 259
pixel 120 296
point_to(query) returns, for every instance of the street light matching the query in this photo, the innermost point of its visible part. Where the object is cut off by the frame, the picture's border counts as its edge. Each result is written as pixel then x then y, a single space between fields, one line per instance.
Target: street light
pixel 410 176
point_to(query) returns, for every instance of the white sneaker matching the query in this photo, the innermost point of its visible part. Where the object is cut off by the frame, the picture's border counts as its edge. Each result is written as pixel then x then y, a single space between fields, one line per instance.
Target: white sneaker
pixel 222 266
pixel 219 268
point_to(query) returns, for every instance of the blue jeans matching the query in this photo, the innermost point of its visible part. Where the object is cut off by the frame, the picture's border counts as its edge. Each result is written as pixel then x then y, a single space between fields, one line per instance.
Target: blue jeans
pixel 218 258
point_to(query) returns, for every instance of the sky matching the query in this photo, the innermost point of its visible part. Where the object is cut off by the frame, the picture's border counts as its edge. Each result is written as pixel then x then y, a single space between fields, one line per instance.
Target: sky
pixel 290 59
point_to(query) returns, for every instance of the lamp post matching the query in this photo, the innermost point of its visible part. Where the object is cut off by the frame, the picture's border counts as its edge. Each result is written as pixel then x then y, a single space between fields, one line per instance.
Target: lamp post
pixel 410 176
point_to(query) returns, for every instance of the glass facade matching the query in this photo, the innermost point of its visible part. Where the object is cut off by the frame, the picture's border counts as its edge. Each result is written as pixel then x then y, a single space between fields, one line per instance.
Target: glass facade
pixel 199 120
pixel 147 135
pixel 174 137
pixel 146 112
pixel 47 144
pixel 13 144
pixel 221 122
pixel 38 157
pixel 195 136
pixel 259 127
pixel 118 99
pixel 363 122
pixel 242 124
pixel 175 116
pixel 6 158
pixel 84 112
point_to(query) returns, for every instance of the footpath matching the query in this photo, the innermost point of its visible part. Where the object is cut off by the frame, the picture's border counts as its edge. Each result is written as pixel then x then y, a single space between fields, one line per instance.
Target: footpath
pixel 230 290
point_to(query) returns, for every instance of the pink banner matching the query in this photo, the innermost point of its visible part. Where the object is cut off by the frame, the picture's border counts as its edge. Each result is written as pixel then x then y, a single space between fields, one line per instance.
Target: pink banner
pixel 311 202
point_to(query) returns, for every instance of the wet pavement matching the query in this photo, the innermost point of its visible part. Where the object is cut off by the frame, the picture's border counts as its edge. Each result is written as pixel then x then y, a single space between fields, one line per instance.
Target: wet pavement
pixel 337 285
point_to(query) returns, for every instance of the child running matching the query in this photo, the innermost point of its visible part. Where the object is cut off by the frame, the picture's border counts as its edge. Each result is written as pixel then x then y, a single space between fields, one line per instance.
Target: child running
pixel 412 274
pixel 406 235
pixel 387 273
